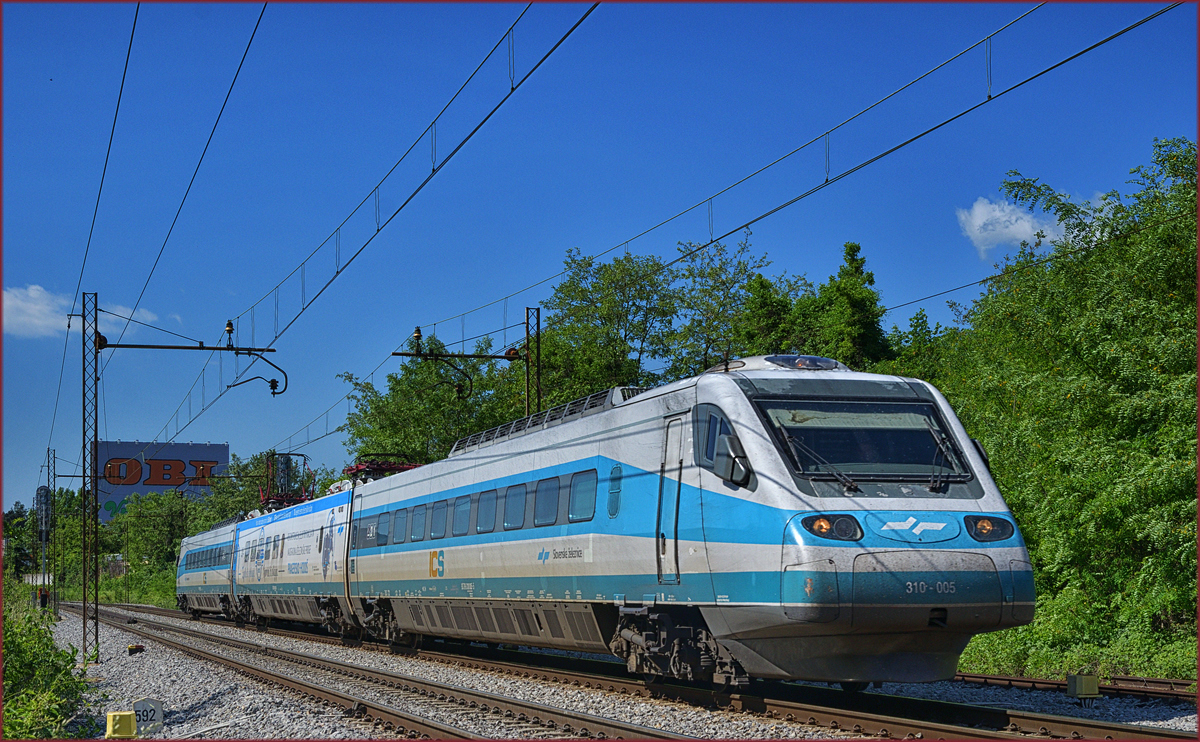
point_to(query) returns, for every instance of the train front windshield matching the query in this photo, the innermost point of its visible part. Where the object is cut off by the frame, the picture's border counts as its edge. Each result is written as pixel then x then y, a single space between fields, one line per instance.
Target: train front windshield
pixel 865 440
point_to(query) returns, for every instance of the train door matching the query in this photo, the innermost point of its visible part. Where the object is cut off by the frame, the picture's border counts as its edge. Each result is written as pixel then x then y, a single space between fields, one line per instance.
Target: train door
pixel 670 480
pixel 356 538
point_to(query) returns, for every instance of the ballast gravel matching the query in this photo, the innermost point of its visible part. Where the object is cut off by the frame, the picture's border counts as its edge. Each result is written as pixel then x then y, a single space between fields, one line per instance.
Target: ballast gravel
pixel 207 702
pixel 200 701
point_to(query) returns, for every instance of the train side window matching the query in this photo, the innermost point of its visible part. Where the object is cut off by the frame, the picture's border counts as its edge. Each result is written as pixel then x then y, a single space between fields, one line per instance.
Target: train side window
pixel 514 507
pixel 485 522
pixel 401 527
pixel 437 525
pixel 614 491
pixel 418 523
pixel 545 502
pixel 462 516
pixel 320 537
pixel 710 424
pixel 366 532
pixel 583 496
pixel 381 530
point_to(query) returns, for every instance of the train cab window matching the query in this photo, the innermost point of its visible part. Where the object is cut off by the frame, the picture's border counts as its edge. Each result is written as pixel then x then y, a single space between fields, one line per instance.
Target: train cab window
pixel 583 497
pixel 437 523
pixel 462 516
pixel 418 523
pixel 400 527
pixel 354 533
pixel 485 521
pixel 514 507
pixel 382 530
pixel 545 502
pixel 710 424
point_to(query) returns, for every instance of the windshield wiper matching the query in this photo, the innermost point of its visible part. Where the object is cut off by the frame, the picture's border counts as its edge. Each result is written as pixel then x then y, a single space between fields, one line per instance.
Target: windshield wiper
pixel 938 479
pixel 848 484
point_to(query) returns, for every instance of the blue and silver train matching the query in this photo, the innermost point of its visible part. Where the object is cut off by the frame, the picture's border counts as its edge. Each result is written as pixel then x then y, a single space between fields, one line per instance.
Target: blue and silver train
pixel 774 517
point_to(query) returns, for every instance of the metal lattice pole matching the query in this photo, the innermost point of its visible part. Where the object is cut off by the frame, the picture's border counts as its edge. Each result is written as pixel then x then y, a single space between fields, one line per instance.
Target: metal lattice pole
pixel 55 545
pixel 90 501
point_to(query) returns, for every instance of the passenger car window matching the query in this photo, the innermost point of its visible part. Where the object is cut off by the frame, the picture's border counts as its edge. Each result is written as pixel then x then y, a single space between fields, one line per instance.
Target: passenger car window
pixel 514 507
pixel 437 527
pixel 545 503
pixel 418 523
pixel 582 505
pixel 462 515
pixel 382 529
pixel 485 521
pixel 401 526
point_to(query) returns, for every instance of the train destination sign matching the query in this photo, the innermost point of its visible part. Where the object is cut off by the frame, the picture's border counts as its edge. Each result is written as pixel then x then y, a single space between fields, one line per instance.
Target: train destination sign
pixel 126 467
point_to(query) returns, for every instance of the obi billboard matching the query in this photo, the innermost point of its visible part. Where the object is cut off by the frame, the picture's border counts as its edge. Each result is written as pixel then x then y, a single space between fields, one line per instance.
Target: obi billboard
pixel 126 467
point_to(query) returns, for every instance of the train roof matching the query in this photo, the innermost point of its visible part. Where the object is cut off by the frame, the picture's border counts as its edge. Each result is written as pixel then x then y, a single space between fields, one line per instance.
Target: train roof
pixel 573 410
pixel 609 398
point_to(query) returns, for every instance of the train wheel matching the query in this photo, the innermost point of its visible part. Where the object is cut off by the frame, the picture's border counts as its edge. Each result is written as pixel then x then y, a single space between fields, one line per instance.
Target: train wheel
pixel 853 686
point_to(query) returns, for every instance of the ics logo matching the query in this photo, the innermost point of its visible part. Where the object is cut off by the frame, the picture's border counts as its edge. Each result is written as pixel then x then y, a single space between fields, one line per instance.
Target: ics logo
pixel 437 563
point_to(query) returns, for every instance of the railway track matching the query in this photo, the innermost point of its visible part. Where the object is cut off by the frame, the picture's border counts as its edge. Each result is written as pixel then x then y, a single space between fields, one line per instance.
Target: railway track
pixel 869 714
pixel 1117 686
pixel 357 691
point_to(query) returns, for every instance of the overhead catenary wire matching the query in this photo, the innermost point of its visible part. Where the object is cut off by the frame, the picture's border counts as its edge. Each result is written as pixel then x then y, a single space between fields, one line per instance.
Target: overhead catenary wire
pixel 336 234
pixel 1042 260
pixel 371 373
pixel 145 324
pixel 831 180
pixel 87 248
pixel 191 182
pixel 819 137
pixel 438 168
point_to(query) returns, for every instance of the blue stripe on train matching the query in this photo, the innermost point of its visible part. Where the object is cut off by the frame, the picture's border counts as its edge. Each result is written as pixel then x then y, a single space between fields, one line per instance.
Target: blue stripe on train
pixel 916 587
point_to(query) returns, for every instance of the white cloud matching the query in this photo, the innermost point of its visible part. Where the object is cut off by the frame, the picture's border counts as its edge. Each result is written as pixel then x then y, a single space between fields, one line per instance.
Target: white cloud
pixel 112 323
pixel 34 312
pixel 989 224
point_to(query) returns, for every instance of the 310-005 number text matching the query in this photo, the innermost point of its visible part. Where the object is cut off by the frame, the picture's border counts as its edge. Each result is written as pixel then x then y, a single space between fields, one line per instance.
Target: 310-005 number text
pixel 922 587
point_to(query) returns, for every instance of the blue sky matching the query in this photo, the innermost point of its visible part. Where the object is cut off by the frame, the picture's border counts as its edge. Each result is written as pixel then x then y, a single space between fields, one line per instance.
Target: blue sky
pixel 644 111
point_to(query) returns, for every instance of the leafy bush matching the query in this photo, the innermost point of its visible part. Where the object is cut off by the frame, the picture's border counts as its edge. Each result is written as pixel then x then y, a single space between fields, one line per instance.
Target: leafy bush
pixel 42 689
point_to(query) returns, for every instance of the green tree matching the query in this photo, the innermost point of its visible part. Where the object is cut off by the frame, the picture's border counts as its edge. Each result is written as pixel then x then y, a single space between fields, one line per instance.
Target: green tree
pixel 715 290
pixel 842 320
pixel 427 405
pixel 17 524
pixel 606 321
pixel 1077 371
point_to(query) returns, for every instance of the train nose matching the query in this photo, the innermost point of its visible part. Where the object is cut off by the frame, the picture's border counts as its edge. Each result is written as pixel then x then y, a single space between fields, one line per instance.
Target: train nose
pixel 922 588
pixel 900 572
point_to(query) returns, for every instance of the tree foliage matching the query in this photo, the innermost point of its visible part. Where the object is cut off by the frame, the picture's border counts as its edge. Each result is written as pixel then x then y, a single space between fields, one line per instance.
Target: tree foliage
pixel 42 688
pixel 1077 371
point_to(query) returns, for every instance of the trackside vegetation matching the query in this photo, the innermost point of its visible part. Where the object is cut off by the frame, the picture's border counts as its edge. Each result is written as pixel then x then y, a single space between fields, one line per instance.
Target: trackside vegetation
pixel 43 690
pixel 1075 367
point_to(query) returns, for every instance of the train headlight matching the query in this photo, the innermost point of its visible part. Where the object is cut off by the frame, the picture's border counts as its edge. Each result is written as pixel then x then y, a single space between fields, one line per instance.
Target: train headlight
pixel 988 527
pixel 835 526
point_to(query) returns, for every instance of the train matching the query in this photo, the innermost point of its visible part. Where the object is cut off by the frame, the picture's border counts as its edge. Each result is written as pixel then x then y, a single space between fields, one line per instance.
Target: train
pixel 775 517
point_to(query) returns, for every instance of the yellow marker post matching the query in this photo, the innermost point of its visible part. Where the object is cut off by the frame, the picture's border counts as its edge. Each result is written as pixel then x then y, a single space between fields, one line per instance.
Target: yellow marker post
pixel 121 725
